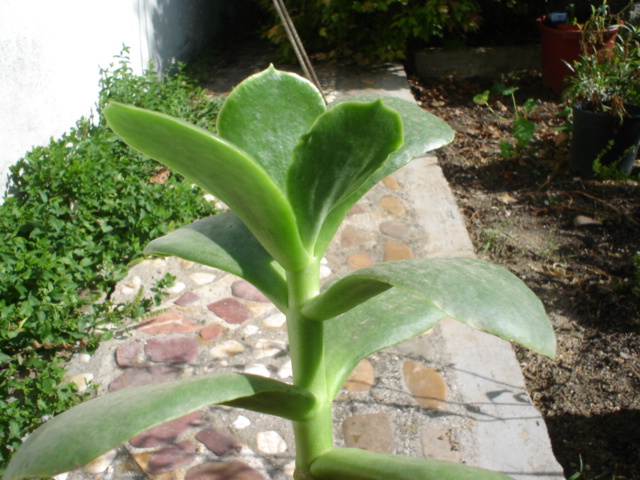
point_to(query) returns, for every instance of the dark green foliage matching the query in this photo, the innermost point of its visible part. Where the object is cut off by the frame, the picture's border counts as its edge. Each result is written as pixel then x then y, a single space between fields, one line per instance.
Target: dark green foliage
pixel 372 31
pixel 79 211
pixel 378 31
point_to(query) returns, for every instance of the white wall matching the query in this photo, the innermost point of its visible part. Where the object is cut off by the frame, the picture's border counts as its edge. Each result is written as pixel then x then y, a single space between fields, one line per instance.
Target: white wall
pixel 51 52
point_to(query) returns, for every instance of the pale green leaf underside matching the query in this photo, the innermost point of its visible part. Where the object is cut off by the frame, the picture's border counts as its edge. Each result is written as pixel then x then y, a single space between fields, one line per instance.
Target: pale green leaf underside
pixel 342 150
pixel 477 293
pixel 422 133
pixel 356 464
pixel 92 428
pixel 267 114
pixel 223 241
pixel 384 320
pixel 219 168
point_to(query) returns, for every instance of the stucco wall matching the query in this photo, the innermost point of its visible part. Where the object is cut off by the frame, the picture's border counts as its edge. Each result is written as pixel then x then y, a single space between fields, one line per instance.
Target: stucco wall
pixel 52 51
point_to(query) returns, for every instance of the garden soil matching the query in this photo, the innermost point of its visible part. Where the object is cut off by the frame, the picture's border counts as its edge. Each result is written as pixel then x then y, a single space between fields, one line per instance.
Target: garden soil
pixel 572 241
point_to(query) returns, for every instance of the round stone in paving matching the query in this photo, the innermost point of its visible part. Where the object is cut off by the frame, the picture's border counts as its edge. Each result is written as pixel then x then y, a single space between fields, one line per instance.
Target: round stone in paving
pixel 176 288
pixel 187 298
pixel 241 422
pixel 286 370
pixel 426 385
pixel 265 348
pixel 270 443
pixel 437 445
pixel 168 322
pixel 351 237
pixel 243 289
pixel 392 205
pixel 361 378
pixel 168 432
pixel 230 310
pixel 172 350
pixel 211 332
pixel 275 321
pixel 226 471
pixel 202 278
pixel 217 442
pixel 359 260
pixel 373 432
pixel 129 354
pixel 171 457
pixel 257 369
pixel 396 251
pixel 390 183
pixel 395 229
pixel 226 349
pixel 81 381
pixel 100 464
pixel 136 376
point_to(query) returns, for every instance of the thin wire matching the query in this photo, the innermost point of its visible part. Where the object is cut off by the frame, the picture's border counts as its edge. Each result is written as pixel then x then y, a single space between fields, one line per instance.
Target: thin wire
pixel 298 48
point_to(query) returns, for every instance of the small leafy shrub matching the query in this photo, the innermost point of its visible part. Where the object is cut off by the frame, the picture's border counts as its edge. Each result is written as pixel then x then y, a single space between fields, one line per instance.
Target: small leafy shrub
pixel 523 128
pixel 78 212
pixel 290 170
pixel 372 31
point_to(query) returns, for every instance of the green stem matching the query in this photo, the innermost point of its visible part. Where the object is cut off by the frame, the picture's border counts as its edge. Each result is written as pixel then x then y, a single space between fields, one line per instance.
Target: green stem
pixel 306 343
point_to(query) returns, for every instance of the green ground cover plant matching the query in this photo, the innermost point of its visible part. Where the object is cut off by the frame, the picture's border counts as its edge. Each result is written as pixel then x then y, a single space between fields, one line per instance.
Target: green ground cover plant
pixel 290 169
pixel 78 211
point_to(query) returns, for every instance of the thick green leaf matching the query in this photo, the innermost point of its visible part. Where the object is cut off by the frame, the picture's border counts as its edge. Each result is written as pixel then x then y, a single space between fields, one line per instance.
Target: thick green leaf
pixel 218 167
pixel 356 464
pixel 342 150
pixel 92 428
pixel 351 292
pixel 423 132
pixel 223 241
pixel 385 320
pixel 267 114
pixel 477 293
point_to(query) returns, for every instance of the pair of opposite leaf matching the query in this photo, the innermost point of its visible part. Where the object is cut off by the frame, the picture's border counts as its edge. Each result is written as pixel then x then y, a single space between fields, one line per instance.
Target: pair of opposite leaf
pixel 288 168
pixel 290 171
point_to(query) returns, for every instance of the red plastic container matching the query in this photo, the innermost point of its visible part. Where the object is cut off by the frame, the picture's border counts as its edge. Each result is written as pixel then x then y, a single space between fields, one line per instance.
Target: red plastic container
pixel 559 43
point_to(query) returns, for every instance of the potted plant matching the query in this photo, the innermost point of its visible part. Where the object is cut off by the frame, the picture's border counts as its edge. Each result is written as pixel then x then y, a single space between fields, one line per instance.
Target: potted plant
pixel 561 37
pixel 604 94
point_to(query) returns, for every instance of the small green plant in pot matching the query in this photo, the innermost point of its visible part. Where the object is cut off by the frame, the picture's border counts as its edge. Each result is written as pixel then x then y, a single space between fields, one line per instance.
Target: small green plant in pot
pixel 290 169
pixel 604 94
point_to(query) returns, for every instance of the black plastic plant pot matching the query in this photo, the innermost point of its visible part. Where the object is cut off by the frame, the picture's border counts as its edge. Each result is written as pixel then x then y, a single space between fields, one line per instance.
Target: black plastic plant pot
pixel 600 136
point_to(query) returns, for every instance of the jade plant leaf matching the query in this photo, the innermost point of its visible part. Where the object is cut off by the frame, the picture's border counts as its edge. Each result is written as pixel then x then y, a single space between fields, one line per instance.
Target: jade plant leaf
pixel 356 464
pixel 83 433
pixel 267 114
pixel 342 150
pixel 223 241
pixel 480 294
pixel 383 321
pixel 422 133
pixel 476 293
pixel 220 168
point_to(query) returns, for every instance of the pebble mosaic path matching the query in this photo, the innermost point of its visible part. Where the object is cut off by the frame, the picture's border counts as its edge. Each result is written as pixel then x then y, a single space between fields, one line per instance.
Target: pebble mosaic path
pixel 405 400
pixel 213 321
